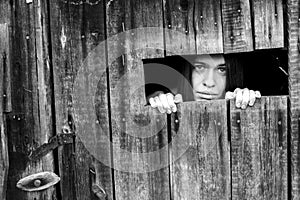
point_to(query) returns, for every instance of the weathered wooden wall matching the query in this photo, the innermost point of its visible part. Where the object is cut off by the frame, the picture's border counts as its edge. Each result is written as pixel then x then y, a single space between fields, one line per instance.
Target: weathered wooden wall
pixel 54 52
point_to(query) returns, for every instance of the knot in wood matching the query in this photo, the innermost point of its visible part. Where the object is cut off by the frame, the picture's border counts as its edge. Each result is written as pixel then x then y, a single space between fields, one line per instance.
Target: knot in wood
pixel 66 130
pixel 183 5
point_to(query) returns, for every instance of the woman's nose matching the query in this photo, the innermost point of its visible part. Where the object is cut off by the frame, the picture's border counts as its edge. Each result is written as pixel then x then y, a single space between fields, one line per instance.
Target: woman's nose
pixel 209 79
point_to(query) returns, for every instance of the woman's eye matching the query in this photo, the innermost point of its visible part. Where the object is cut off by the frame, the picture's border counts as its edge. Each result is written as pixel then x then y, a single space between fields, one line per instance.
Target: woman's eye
pixel 222 70
pixel 199 66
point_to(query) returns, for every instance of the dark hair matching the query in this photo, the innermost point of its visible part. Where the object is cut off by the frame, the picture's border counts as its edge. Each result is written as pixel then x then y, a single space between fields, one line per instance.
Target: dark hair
pixel 234 77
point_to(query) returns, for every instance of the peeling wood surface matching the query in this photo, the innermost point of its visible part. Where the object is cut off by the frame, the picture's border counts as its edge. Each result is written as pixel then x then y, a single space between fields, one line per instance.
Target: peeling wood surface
pixel 237 28
pixel 268 24
pixel 200 153
pixel 259 150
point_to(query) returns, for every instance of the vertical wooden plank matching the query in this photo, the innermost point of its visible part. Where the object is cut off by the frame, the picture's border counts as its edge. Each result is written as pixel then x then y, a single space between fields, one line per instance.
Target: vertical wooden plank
pixel 77 29
pixel 179 27
pixel 6 59
pixel 135 132
pixel 200 152
pixel 293 41
pixel 209 35
pixel 144 19
pixel 3 137
pixel 65 20
pixel 93 50
pixel 30 124
pixel 237 30
pixel 259 150
pixel 268 24
pixel 140 156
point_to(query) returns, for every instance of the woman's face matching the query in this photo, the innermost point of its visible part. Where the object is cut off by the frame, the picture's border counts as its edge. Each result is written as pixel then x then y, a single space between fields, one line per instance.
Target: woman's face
pixel 209 77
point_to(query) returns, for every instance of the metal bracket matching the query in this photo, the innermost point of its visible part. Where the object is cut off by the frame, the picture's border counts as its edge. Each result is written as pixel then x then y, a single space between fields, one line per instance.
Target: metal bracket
pixel 37 182
pixel 54 142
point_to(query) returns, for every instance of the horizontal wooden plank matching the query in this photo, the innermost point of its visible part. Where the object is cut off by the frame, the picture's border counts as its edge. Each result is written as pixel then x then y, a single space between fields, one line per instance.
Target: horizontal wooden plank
pixel 200 153
pixel 259 149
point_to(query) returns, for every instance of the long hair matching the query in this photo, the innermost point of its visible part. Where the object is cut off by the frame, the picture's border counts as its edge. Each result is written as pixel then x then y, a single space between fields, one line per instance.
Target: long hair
pixel 234 75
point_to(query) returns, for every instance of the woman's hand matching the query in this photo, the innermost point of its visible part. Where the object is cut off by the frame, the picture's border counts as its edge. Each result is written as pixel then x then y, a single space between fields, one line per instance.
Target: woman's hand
pixel 243 97
pixel 165 103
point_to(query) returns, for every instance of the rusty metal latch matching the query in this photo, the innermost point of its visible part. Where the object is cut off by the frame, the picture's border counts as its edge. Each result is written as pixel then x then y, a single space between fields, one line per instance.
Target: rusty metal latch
pixel 54 142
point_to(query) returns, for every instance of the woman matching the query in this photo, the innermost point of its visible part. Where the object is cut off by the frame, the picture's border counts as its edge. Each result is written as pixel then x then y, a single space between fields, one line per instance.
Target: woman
pixel 206 77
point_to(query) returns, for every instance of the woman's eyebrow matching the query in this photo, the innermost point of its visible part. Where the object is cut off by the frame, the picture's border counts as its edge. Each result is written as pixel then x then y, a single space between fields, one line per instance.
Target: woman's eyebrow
pixel 222 65
pixel 201 63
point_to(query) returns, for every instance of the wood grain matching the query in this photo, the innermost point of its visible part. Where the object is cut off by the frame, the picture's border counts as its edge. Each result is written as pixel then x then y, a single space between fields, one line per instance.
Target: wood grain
pixel 135 174
pixel 5 50
pixel 4 165
pixel 200 151
pixel 293 40
pixel 259 149
pixel 65 39
pixel 179 27
pixel 144 25
pixel 268 24
pixel 30 123
pixel 209 34
pixel 81 97
pixel 237 28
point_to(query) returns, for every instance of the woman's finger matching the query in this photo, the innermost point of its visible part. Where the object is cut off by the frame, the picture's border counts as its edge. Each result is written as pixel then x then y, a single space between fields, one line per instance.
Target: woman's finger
pixel 170 99
pixel 165 103
pixel 257 94
pixel 246 98
pixel 229 95
pixel 159 105
pixel 178 98
pixel 238 97
pixel 252 98
pixel 152 102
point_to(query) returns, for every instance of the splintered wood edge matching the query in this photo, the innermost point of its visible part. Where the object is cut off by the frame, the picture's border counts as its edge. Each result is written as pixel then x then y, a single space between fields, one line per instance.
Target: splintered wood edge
pixel 26 183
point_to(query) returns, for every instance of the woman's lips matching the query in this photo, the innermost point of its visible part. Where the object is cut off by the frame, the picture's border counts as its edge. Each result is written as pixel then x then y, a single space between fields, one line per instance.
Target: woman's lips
pixel 205 96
